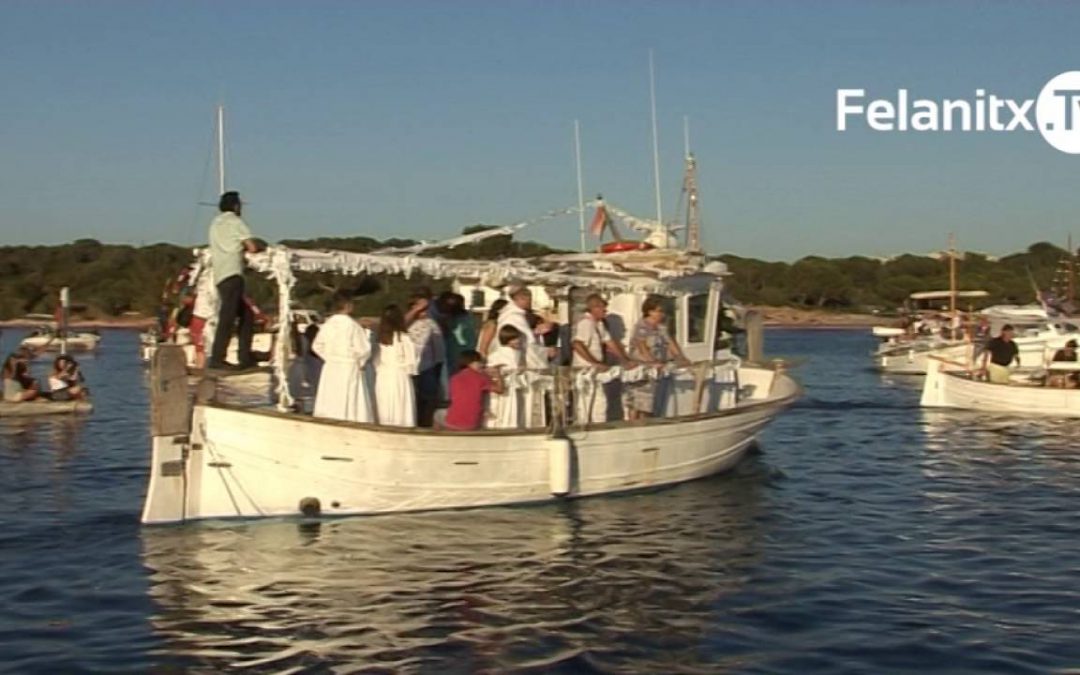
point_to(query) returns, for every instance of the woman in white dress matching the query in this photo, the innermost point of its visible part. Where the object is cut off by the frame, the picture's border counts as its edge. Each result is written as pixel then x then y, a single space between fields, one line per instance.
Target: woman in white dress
pixel 345 347
pixel 395 364
pixel 507 409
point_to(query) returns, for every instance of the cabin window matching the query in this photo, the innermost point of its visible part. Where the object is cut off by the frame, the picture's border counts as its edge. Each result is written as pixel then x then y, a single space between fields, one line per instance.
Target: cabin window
pixel 697 308
pixel 476 298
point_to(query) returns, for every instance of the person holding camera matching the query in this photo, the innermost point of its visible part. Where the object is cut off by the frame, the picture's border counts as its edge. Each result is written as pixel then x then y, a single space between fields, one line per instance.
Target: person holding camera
pixel 66 380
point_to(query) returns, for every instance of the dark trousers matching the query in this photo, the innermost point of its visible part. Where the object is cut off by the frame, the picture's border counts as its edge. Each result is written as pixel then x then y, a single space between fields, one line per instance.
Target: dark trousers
pixel 233 307
pixel 427 395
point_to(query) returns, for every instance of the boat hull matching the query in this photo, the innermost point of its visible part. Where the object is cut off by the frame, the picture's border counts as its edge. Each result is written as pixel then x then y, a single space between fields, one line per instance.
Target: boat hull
pixel 945 389
pixel 257 463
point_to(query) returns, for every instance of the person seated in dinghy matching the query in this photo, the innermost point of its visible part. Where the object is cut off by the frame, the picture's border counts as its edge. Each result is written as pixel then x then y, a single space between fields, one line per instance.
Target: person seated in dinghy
pixel 1065 380
pixel 66 380
pixel 18 383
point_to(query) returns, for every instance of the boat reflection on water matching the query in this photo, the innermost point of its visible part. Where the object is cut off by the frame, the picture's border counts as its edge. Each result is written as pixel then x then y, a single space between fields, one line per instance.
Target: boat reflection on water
pixel 624 583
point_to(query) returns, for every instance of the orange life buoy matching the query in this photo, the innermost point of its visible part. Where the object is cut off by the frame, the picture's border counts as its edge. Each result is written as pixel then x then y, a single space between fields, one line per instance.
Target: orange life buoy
pixel 621 246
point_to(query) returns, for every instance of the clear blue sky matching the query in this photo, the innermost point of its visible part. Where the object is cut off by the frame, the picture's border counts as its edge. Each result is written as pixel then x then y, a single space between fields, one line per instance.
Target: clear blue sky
pixel 416 119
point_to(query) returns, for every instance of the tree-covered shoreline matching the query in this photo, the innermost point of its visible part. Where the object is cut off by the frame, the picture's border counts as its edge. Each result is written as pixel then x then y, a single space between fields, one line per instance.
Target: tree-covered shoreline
pixel 109 280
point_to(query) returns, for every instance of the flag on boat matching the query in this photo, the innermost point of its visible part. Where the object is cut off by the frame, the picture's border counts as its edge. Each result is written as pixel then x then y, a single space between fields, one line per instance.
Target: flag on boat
pixel 600 220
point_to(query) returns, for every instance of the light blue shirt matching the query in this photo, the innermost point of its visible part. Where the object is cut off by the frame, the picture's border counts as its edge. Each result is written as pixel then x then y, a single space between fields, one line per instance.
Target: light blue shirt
pixel 227 235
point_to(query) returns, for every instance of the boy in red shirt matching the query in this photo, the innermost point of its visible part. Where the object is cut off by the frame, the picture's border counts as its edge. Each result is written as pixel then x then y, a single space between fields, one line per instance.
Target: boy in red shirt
pixel 467 393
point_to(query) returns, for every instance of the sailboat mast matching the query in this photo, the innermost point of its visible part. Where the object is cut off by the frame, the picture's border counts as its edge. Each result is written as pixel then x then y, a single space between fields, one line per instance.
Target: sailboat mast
pixel 580 190
pixel 221 149
pixel 655 142
pixel 1072 272
pixel 952 276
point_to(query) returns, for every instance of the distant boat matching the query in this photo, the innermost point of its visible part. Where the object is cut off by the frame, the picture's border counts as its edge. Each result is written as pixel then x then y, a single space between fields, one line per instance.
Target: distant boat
pixel 55 336
pixel 950 386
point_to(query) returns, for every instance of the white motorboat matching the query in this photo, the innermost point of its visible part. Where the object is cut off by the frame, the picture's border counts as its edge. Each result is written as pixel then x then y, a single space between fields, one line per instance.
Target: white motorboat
pixel 948 386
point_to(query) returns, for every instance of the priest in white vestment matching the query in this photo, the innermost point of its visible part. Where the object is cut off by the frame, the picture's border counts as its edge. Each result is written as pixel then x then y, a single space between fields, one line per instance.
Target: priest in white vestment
pixel 345 347
pixel 516 314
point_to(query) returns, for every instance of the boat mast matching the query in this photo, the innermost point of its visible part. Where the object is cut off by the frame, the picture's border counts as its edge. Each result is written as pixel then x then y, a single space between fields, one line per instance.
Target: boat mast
pixel 655 142
pixel 221 149
pixel 693 219
pixel 1072 272
pixel 952 277
pixel 62 324
pixel 580 190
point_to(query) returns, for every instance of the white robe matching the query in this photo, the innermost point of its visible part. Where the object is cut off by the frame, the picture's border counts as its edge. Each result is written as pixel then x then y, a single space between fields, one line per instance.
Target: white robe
pixel 395 364
pixel 535 352
pixel 507 409
pixel 343 394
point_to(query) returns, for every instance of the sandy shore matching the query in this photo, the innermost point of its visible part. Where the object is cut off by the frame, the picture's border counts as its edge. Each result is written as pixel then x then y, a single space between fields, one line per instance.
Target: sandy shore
pixel 790 317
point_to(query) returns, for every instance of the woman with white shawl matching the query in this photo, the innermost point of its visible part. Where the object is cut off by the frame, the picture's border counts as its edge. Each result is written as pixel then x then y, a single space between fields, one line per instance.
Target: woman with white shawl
pixel 345 347
pixel 507 409
pixel 395 364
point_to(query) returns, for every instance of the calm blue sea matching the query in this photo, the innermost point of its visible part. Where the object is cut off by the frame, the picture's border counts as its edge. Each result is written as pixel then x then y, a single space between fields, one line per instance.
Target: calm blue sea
pixel 864 535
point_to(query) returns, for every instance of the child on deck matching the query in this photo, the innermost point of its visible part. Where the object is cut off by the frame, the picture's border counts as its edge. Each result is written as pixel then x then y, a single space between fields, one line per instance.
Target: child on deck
pixel 395 365
pixel 468 387
pixel 507 408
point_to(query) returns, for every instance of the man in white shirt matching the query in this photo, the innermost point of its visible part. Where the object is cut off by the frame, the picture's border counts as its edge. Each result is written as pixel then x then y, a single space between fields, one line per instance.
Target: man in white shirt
pixel 591 339
pixel 431 352
pixel 230 238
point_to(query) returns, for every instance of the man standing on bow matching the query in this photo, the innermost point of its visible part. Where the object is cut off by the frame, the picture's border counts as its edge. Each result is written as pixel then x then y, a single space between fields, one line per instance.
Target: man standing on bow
pixel 230 238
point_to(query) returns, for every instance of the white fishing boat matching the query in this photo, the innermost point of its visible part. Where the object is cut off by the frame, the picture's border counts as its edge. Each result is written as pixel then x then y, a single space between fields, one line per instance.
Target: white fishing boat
pixel 217 460
pixel 950 385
